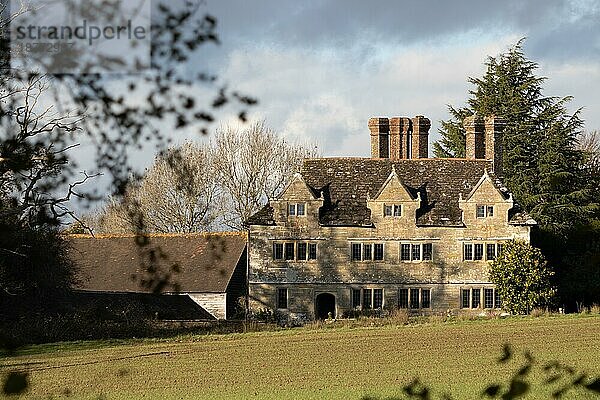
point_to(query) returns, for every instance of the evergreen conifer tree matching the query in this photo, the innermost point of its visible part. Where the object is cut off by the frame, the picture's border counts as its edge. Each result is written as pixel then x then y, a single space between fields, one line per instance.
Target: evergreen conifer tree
pixel 541 165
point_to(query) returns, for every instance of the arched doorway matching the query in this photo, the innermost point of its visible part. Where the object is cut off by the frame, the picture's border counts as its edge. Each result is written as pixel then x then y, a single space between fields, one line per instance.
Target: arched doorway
pixel 325 304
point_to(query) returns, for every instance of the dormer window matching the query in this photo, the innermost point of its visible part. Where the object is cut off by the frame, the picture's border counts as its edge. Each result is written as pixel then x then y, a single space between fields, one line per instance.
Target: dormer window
pixel 392 210
pixel 484 211
pixel 296 209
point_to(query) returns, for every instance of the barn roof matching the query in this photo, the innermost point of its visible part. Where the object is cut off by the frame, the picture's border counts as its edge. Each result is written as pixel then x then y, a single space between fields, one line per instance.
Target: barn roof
pixel 346 183
pixel 157 263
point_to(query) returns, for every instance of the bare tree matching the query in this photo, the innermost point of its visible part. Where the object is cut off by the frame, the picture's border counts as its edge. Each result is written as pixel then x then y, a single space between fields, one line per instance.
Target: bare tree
pixel 122 111
pixel 254 165
pixel 178 193
pixel 34 159
pixel 199 188
pixel 589 143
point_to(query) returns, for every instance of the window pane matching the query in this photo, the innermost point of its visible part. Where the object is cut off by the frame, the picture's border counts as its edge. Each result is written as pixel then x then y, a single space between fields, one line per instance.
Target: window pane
pixel 387 211
pixel 490 211
pixel 488 298
pixel 356 252
pixel 292 209
pixel 282 298
pixel 425 298
pixel 465 297
pixel 366 298
pixel 277 251
pixel 397 210
pixel 289 251
pixel 312 251
pixel 378 247
pixel 491 251
pixel 476 294
pixel 301 251
pixel 355 298
pixel 377 298
pixel 405 252
pixel 402 298
pixel 480 211
pixel 367 251
pixel 468 251
pixel 414 298
pixel 478 251
pixel 497 299
pixel 300 209
pixel 427 251
pixel 498 249
pixel 416 251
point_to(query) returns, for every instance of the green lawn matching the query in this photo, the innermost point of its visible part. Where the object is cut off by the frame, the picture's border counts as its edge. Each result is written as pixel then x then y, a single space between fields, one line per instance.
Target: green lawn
pixel 459 358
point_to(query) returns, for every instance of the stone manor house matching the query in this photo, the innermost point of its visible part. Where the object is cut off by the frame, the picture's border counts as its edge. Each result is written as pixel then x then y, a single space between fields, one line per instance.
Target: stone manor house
pixel 397 229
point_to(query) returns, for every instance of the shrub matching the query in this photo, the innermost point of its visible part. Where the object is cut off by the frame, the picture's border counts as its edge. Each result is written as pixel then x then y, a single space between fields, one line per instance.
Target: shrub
pixel 399 316
pixel 522 277
pixel 539 312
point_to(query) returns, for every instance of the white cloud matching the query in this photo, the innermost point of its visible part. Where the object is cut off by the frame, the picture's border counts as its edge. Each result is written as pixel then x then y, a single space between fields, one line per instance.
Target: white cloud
pixel 327 96
pixel 579 80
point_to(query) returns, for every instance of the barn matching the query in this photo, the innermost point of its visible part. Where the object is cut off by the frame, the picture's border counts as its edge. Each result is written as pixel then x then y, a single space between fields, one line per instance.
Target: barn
pixel 199 276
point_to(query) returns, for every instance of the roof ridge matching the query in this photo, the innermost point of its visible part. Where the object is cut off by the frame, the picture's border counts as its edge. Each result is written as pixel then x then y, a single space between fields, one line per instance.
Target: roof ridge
pixel 132 235
pixel 396 160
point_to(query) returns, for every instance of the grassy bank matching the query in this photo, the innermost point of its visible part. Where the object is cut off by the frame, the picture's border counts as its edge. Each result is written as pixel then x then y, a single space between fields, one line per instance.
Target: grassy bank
pixel 340 362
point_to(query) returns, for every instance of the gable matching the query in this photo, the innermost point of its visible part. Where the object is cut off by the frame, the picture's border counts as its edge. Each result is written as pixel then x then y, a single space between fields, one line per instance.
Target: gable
pixel 486 190
pixel 393 190
pixel 297 189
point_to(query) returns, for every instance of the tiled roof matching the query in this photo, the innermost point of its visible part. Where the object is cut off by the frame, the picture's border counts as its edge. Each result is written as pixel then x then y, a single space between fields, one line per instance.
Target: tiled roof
pixel 156 263
pixel 345 183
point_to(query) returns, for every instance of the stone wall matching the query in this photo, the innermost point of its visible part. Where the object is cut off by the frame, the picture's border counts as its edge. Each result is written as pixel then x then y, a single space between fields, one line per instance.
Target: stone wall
pixel 445 297
pixel 334 271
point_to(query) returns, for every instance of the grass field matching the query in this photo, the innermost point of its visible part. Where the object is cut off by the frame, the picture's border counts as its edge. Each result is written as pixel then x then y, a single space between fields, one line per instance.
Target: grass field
pixel 458 358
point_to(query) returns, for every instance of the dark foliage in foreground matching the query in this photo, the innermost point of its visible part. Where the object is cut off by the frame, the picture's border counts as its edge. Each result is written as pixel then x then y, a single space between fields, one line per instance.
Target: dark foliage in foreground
pixel 557 377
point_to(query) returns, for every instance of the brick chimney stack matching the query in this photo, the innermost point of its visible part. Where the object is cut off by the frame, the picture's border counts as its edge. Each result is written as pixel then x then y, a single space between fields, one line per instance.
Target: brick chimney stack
pixel 475 146
pixel 420 136
pixel 399 134
pixel 380 138
pixel 399 138
pixel 494 127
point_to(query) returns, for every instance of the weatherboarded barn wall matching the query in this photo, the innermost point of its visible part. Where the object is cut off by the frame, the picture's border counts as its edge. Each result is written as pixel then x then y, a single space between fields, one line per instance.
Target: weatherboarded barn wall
pixel 214 303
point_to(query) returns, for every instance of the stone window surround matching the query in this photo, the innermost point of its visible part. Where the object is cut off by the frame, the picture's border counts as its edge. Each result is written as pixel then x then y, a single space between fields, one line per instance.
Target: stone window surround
pixel 370 289
pixel 421 245
pixel 420 289
pixel 282 298
pixel 295 206
pixel 373 246
pixel 484 211
pixel 295 242
pixel 484 243
pixel 392 210
pixel 497 303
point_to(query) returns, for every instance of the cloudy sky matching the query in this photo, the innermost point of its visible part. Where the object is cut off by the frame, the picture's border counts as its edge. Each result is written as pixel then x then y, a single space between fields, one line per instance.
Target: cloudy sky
pixel 321 68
